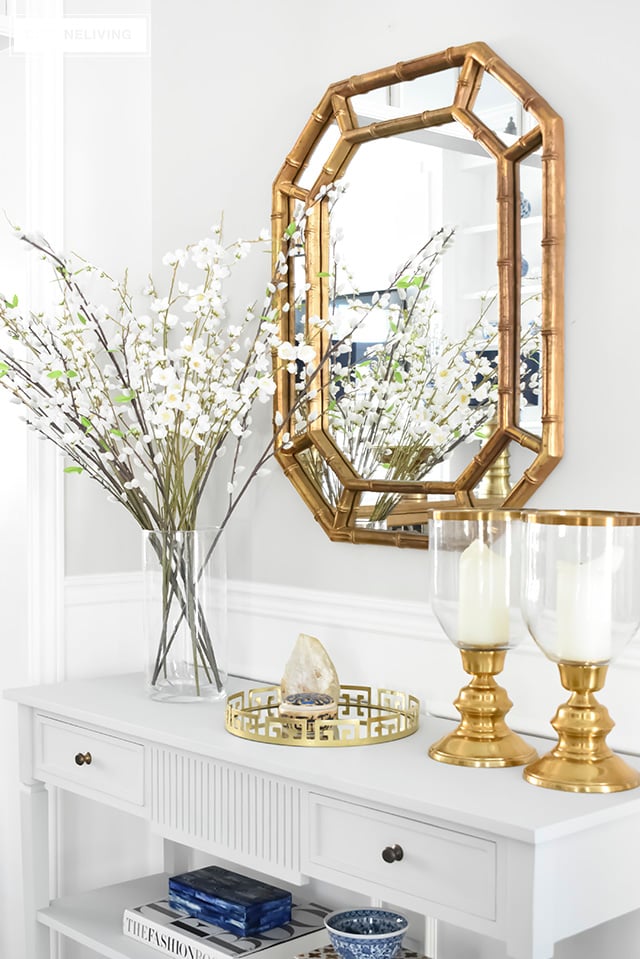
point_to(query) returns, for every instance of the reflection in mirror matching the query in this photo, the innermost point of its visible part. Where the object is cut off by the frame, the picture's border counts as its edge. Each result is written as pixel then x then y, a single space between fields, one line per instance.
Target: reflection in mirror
pixel 311 170
pixel 411 96
pixel 421 269
pixel 531 292
pixel 500 111
pixel 326 483
pixel 497 482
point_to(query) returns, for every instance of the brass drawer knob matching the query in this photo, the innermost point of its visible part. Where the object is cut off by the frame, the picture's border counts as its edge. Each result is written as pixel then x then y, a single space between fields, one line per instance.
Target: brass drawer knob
pixel 392 853
pixel 83 759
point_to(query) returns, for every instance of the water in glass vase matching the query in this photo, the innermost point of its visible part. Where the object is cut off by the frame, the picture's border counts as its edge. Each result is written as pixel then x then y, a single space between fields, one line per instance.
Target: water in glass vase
pixel 185 614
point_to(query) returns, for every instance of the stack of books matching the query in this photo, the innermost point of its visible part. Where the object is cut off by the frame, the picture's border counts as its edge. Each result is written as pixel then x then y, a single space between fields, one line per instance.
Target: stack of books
pixel 179 930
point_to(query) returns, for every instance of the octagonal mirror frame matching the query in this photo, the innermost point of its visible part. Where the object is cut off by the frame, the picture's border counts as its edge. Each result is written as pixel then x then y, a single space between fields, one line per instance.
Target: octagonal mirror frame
pixel 473 61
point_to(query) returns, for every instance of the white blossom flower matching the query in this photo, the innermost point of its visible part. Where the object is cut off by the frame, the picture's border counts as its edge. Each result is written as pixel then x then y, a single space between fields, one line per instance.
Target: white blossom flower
pixel 148 395
pixel 306 354
pixel 287 351
pixel 177 258
pixel 159 304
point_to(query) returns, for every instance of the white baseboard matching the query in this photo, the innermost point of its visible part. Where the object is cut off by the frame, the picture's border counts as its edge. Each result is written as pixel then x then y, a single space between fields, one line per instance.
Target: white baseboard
pixel 374 640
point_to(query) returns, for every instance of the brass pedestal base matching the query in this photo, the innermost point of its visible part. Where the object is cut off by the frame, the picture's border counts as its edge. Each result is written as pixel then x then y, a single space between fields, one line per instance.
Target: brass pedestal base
pixel 482 738
pixel 582 762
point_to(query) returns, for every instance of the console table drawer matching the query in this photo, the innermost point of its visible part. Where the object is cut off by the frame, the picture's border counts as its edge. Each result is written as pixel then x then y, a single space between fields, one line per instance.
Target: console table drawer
pixel 90 761
pixel 438 865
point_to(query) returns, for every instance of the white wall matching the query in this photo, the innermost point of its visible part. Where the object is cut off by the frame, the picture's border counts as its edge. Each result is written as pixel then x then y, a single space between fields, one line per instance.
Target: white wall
pixel 107 218
pixel 232 87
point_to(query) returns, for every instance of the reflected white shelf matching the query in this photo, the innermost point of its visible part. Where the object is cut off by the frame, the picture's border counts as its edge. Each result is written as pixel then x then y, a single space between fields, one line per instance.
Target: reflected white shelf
pixel 527 289
pixel 486 162
pixel 493 227
pixel 94 918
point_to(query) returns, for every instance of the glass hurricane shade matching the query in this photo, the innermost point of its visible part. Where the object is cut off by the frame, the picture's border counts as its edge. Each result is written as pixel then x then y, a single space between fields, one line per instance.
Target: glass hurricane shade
pixel 475 565
pixel 581 569
pixel 475 577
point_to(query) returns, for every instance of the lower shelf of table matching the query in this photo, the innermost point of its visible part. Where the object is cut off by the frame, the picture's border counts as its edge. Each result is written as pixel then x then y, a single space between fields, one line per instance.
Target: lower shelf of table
pixel 95 918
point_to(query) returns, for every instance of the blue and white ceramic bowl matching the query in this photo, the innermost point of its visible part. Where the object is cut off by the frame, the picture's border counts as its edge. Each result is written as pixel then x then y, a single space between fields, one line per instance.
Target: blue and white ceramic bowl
pixel 366 933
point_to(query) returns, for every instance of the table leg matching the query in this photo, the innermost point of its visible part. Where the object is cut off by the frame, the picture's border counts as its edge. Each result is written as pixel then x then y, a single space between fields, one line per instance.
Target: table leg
pixel 430 938
pixel 35 866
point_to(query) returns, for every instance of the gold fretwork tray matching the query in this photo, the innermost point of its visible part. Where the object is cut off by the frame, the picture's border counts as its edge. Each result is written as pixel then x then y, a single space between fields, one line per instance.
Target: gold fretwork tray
pixel 365 716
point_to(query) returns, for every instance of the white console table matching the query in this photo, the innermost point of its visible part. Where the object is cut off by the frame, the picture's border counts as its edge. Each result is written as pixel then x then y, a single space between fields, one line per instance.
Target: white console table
pixel 482 849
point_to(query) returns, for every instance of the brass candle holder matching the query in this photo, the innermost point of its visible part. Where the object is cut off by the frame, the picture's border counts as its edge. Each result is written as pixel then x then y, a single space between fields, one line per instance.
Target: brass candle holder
pixel 482 738
pixel 581 761
pixel 475 565
pixel 582 605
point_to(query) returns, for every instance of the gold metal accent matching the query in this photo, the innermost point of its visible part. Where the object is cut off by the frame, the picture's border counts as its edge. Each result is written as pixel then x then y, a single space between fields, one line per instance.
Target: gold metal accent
pixel 495 485
pixel 580 517
pixel 475 62
pixel 83 759
pixel 483 737
pixel 477 515
pixel 365 716
pixel 581 761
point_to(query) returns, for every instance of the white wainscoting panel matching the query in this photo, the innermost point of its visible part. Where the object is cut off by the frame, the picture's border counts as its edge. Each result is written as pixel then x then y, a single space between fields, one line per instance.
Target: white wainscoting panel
pixel 381 641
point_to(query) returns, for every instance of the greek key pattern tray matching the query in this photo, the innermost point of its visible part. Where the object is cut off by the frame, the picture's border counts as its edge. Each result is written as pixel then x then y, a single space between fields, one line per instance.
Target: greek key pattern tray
pixel 365 716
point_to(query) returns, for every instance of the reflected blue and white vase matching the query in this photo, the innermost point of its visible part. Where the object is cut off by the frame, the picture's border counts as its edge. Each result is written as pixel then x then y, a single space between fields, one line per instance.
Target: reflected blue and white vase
pixel 524 266
pixel 525 206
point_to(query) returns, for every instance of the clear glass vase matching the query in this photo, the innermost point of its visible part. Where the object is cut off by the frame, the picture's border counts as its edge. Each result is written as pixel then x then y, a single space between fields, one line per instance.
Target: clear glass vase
pixel 186 614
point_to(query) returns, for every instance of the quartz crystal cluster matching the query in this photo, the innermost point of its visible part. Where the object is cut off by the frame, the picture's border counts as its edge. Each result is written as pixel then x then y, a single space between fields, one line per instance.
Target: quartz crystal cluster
pixel 310 681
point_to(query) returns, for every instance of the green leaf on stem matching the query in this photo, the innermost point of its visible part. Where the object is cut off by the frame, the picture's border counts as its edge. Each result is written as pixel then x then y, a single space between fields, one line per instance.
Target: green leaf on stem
pixel 73 469
pixel 124 398
pixel 291 229
pixel 88 426
pixel 55 374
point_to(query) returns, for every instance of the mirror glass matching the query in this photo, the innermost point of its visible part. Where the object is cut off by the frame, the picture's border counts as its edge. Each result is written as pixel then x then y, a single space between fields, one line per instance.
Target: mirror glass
pixel 419 269
pixel 312 168
pixel 531 293
pixel 414 300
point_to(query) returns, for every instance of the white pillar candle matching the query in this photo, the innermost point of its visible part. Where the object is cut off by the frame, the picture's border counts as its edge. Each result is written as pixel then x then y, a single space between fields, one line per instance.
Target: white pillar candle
pixel 584 620
pixel 483 616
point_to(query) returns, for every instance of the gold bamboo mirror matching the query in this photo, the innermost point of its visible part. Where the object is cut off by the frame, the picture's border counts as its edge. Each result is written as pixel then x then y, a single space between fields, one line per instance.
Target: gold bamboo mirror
pixel 419 227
